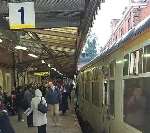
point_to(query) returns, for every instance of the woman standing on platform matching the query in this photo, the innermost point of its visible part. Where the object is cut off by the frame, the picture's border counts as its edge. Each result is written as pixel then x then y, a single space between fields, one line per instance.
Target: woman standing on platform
pixel 39 119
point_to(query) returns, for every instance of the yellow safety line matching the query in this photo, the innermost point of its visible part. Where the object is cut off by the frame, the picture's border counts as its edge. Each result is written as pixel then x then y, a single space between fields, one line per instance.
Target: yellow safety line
pixel 21 26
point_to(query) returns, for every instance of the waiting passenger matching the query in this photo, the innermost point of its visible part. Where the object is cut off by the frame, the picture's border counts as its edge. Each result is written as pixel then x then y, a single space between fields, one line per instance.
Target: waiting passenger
pixel 39 119
pixel 20 103
pixel 53 98
pixel 64 101
pixel 27 99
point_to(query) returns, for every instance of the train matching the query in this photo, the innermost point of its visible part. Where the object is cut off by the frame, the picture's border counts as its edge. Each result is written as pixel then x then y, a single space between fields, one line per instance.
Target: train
pixel 114 88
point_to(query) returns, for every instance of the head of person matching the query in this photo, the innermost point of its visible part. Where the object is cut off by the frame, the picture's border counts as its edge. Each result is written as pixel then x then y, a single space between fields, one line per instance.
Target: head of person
pixel 50 84
pixel 38 93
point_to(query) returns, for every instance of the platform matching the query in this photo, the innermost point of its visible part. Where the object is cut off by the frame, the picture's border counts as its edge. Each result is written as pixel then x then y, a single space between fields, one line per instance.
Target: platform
pixel 69 124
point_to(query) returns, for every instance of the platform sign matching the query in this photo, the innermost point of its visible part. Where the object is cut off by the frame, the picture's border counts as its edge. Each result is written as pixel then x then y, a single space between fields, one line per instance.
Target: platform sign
pixel 21 15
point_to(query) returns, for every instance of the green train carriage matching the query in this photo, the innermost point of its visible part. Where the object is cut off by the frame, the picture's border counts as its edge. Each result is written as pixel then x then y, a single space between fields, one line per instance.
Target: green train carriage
pixel 114 88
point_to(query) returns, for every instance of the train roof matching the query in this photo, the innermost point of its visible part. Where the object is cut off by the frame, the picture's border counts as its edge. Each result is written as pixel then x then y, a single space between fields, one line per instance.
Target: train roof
pixel 132 33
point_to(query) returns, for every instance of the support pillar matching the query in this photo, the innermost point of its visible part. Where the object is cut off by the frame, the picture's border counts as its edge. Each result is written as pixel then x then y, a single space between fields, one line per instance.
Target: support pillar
pixel 14 69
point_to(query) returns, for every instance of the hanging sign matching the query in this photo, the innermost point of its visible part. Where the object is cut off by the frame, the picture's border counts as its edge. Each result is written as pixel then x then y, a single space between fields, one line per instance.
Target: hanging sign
pixel 21 15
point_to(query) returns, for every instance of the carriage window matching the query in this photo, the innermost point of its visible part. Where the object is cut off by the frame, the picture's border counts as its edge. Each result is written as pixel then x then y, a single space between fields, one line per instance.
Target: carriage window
pixel 95 74
pixel 111 95
pixel 88 76
pixel 112 68
pixel 146 59
pixel 87 91
pixel 135 66
pixel 105 93
pixel 126 65
pixel 95 93
pixel 137 103
pixel 82 76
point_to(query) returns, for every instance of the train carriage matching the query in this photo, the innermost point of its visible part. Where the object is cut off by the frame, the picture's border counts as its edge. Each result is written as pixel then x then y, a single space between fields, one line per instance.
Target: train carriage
pixel 114 88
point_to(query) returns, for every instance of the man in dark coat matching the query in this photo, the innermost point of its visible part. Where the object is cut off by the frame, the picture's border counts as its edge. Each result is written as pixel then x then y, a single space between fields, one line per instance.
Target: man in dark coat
pixel 20 103
pixel 53 98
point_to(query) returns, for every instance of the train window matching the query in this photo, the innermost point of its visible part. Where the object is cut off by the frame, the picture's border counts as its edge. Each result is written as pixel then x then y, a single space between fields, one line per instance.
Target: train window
pixel 95 93
pixel 112 69
pixel 95 74
pixel 137 103
pixel 126 65
pixel 82 76
pixel 88 76
pixel 87 91
pixel 135 66
pixel 132 68
pixel 140 64
pixel 105 93
pixel 146 59
pixel 111 96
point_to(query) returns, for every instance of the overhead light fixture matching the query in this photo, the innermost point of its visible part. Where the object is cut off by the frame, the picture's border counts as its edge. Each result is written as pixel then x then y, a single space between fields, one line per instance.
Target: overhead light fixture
pixel 1 40
pixel 49 65
pixel 43 62
pixel 20 47
pixel 32 55
pixel 53 69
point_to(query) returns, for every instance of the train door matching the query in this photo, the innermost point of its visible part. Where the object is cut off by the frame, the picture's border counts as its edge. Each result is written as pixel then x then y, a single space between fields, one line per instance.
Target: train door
pixel 109 95
pixel 105 106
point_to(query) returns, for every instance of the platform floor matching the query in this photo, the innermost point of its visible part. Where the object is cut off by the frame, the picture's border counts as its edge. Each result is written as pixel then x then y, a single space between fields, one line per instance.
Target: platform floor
pixel 69 124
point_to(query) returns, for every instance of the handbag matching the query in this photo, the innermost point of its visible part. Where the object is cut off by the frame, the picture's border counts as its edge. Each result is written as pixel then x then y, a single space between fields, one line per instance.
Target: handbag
pixel 42 107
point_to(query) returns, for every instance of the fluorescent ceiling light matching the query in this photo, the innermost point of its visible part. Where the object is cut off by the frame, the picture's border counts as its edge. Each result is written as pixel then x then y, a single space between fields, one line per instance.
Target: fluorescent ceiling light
pixel 1 40
pixel 21 47
pixel 43 62
pixel 32 55
pixel 53 69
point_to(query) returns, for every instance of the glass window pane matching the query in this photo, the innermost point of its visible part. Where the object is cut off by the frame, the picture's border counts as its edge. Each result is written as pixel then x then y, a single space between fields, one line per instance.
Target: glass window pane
pixel 111 95
pixel 146 59
pixel 95 93
pixel 137 103
pixel 87 91
pixel 126 65
pixel 112 68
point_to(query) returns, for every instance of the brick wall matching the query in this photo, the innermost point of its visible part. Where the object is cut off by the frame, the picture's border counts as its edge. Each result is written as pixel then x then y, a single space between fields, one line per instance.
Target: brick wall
pixel 145 12
pixel 132 16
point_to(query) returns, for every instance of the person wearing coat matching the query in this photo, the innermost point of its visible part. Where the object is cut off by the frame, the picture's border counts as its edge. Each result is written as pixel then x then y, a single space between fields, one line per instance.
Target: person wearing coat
pixel 5 125
pixel 39 119
pixel 27 99
pixel 64 101
pixel 20 103
pixel 53 97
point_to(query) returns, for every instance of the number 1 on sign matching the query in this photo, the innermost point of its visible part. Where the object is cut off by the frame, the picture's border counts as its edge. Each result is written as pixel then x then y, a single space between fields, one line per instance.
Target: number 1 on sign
pixel 22 14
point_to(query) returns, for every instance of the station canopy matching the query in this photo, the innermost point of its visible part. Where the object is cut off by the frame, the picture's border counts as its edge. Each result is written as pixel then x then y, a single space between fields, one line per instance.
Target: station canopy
pixel 56 41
